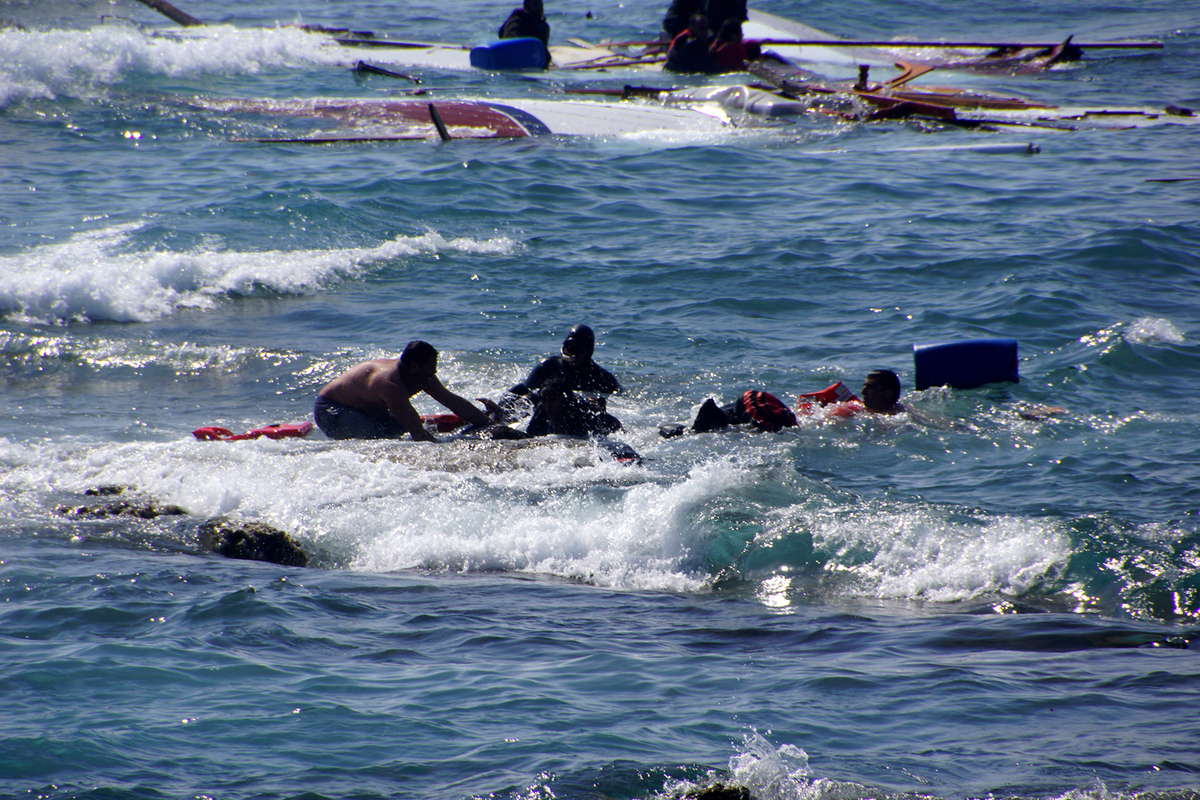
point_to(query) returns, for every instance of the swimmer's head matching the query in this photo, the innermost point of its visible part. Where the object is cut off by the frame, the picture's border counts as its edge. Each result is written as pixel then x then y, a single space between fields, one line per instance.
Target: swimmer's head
pixel 419 359
pixel 881 390
pixel 580 343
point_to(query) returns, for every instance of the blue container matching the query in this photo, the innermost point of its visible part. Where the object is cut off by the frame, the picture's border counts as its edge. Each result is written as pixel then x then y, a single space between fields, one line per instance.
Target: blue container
pixel 965 365
pixel 525 53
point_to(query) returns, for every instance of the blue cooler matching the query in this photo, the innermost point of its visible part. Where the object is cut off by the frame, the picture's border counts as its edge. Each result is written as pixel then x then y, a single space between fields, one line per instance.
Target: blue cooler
pixel 965 365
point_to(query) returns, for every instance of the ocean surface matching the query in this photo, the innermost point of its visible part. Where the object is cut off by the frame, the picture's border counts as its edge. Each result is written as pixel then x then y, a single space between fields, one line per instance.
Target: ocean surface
pixel 959 602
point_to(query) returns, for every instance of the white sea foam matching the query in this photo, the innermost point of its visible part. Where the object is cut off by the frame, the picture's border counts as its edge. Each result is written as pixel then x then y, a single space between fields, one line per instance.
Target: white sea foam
pixel 774 773
pixel 561 511
pixel 769 772
pixel 98 275
pixel 1151 330
pixel 550 507
pixel 1144 331
pixel 925 552
pixel 84 63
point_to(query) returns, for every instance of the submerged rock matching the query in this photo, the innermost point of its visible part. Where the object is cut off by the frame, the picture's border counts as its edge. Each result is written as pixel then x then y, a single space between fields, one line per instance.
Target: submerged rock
pixel 253 541
pixel 142 509
pixel 107 490
pixel 718 791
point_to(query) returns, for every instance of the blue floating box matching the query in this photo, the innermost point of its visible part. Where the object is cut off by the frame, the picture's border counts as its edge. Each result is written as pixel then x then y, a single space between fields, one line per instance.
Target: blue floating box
pixel 965 365
pixel 526 53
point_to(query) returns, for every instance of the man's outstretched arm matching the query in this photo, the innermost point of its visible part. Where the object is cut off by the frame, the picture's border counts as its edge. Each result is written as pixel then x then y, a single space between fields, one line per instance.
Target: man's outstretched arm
pixel 458 404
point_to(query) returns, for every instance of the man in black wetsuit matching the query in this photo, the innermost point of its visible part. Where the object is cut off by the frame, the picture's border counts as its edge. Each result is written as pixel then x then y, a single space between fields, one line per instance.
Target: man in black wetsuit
pixel 528 22
pixel 574 366
pixel 678 14
pixel 559 377
pixel 721 11
pixel 561 411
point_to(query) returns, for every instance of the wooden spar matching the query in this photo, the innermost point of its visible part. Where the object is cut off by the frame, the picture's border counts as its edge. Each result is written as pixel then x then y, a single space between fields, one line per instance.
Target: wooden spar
pixel 437 123
pixel 401 45
pixel 333 140
pixel 617 62
pixel 910 72
pixel 371 69
pixel 1152 45
pixel 1149 44
pixel 168 10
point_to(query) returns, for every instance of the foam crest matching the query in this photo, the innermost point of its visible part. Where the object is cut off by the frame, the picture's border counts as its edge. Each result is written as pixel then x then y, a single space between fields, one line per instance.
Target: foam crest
pixel 929 553
pixel 547 507
pixel 98 276
pixel 1144 331
pixel 1152 330
pixel 771 773
pixel 562 511
pixel 84 63
pixel 768 772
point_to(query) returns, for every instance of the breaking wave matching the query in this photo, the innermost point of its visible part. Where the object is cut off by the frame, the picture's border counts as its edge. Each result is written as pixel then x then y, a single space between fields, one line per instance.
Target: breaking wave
pixel 85 63
pixel 98 276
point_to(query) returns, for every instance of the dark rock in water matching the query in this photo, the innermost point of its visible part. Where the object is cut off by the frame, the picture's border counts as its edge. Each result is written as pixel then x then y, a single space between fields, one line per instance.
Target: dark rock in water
pixel 143 509
pixel 718 791
pixel 108 490
pixel 254 541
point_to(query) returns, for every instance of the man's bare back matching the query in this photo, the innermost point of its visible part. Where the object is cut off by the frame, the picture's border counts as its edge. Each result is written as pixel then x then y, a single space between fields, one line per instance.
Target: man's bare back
pixel 370 385
pixel 382 388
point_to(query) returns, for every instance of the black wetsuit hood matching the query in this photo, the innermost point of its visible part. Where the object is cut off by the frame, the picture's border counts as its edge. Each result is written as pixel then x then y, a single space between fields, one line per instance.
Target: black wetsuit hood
pixel 580 342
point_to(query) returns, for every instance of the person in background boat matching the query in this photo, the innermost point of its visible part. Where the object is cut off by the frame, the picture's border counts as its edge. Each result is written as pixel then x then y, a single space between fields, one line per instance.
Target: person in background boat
pixel 680 13
pixel 676 19
pixel 728 51
pixel 373 400
pixel 689 51
pixel 529 21
pixel 721 11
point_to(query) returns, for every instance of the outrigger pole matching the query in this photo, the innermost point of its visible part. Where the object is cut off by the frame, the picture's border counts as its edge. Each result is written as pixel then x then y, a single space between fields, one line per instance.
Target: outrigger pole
pixel 1152 45
pixel 893 43
pixel 168 10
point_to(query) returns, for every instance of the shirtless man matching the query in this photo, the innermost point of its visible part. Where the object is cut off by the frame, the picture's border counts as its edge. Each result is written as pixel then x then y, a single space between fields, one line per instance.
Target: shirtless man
pixel 372 400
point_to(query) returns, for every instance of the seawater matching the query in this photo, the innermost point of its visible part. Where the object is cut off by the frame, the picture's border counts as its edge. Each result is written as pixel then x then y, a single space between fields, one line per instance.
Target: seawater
pixel 988 606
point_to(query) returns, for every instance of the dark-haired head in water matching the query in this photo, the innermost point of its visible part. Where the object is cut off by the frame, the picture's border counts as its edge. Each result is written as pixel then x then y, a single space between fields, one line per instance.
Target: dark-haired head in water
pixel 881 392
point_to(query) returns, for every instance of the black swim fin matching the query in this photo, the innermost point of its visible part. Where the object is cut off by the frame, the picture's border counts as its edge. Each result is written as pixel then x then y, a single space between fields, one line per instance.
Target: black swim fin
pixel 710 417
